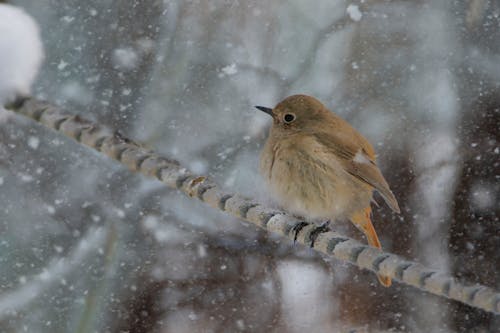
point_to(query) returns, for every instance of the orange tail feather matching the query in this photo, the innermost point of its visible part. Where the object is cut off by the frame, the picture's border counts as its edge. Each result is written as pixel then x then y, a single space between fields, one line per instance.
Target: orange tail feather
pixel 362 220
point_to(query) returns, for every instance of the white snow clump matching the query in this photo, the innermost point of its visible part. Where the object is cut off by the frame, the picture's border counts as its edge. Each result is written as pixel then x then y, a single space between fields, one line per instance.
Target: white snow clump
pixel 354 12
pixel 21 52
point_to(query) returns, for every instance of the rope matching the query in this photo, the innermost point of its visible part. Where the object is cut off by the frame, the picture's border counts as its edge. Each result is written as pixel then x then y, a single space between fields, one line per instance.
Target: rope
pixel 170 172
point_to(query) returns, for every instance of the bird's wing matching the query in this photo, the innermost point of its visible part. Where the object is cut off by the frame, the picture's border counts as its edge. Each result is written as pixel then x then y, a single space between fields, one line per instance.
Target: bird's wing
pixel 357 157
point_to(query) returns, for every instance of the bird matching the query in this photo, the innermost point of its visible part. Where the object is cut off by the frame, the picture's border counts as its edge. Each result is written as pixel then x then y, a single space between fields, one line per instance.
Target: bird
pixel 319 167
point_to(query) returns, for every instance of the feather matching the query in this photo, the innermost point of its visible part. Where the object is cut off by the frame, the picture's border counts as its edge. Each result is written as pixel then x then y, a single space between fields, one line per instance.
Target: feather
pixel 357 157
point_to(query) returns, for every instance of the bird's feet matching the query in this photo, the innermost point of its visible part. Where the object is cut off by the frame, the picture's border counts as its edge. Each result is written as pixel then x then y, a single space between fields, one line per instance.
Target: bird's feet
pixel 323 227
pixel 297 228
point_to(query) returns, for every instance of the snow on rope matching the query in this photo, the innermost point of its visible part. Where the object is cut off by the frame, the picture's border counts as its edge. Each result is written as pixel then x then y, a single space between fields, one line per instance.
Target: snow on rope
pixel 330 243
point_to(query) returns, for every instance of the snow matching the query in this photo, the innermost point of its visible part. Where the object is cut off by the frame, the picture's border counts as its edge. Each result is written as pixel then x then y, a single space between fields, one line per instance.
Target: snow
pixel 360 157
pixel 21 52
pixel 303 290
pixel 354 12
pixel 26 178
pixel 482 197
pixel 125 58
pixel 151 222
pixel 202 251
pixel 56 269
pixel 33 142
pixel 240 323
pixel 62 65
pixel 67 19
pixel 403 80
pixel 119 212
pixel 229 70
pixel 51 209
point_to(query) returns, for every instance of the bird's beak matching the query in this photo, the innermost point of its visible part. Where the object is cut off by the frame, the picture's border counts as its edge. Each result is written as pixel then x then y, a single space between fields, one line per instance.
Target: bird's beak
pixel 269 111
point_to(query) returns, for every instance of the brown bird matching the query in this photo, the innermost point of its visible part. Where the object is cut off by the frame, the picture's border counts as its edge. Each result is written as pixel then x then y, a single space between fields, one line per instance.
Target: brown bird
pixel 319 167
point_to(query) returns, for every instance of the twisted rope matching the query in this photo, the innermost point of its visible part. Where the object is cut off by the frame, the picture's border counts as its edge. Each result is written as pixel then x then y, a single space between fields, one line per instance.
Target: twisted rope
pixel 330 243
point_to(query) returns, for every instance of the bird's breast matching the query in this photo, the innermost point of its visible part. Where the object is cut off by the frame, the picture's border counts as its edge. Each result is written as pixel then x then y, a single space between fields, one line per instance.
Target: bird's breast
pixel 309 183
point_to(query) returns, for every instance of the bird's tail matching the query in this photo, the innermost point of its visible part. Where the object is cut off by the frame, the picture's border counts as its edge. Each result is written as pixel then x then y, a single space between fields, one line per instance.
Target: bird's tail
pixel 362 220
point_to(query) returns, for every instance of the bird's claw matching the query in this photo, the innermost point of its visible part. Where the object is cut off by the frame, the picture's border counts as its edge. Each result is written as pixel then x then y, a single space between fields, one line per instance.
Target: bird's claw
pixel 324 227
pixel 297 228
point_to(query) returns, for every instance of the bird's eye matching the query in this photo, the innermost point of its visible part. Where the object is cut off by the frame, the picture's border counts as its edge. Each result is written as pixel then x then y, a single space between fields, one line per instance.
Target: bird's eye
pixel 289 117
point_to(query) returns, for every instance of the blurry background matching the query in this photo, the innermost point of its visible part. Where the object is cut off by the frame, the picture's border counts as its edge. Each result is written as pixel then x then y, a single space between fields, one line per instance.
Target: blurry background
pixel 86 246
